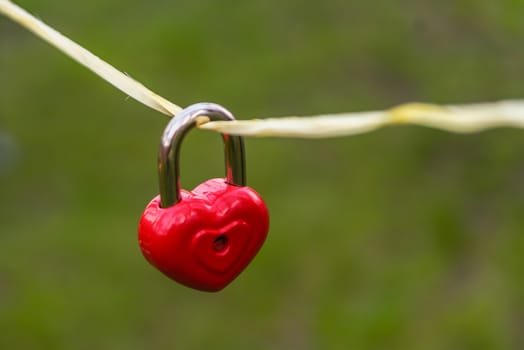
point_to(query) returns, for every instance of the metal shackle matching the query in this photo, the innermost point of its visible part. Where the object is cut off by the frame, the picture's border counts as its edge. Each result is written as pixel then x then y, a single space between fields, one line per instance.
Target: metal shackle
pixel 169 152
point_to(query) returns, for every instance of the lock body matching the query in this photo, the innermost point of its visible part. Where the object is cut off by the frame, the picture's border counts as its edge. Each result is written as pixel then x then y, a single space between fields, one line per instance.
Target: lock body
pixel 208 237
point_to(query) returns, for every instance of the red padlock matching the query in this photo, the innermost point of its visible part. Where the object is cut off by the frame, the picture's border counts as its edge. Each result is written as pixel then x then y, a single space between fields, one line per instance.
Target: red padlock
pixel 204 238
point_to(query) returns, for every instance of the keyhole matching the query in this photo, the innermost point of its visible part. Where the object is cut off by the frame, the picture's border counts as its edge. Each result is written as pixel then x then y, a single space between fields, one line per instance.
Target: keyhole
pixel 220 243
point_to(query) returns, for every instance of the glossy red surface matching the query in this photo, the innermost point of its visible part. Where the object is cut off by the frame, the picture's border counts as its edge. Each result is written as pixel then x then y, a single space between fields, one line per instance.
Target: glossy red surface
pixel 207 239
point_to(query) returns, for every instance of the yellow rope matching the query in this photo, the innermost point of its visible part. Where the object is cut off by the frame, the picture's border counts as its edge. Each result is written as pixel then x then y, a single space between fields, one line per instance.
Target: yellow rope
pixel 101 68
pixel 455 118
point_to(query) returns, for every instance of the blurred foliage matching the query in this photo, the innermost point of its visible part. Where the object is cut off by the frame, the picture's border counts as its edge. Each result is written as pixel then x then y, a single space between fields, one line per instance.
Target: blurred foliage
pixel 405 238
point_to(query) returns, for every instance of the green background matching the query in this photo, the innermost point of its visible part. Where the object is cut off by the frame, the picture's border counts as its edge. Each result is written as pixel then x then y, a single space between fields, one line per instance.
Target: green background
pixel 404 238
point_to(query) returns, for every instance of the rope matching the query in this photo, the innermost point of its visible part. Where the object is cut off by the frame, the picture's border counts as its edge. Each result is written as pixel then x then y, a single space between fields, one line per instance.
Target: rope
pixel 454 118
pixel 101 68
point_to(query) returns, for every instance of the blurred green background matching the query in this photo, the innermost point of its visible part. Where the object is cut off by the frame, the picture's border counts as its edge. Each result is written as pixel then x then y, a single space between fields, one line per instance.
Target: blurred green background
pixel 404 238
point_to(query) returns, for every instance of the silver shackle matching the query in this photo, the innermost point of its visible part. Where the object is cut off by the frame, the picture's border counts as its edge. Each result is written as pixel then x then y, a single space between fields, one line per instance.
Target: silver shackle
pixel 169 153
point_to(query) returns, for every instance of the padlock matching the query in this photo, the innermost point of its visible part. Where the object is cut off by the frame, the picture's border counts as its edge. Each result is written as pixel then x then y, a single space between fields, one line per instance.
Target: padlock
pixel 206 237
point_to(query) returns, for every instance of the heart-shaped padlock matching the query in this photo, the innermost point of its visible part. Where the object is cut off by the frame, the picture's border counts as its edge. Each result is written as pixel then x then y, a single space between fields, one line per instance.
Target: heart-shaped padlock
pixel 204 238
